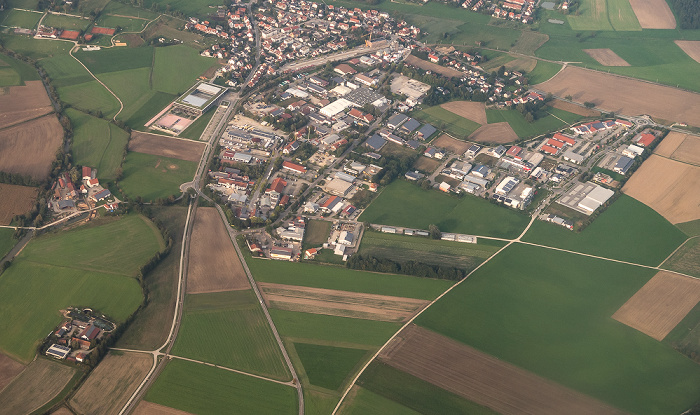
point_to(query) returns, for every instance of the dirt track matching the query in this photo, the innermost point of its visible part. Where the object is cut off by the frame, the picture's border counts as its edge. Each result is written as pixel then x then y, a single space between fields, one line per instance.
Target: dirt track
pixel 158 145
pixel 475 111
pixel 214 265
pixel 30 148
pixel 15 200
pixel 691 48
pixel 8 370
pixel 429 66
pixel 625 96
pixel 340 303
pixel 452 144
pixel 660 304
pixel 606 57
pixel 149 408
pixel 497 133
pixel 24 103
pixel 667 187
pixel 653 14
pixel 484 379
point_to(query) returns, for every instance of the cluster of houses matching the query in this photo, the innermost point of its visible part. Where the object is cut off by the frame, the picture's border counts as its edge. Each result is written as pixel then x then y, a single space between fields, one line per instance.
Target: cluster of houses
pixel 517 10
pixel 68 197
pixel 75 338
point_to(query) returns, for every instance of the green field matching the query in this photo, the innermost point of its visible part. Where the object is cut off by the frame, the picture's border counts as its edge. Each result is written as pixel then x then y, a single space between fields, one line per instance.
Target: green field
pixel 97 143
pixel 543 71
pixel 363 402
pixel 65 71
pixel 540 126
pixel 421 208
pixel 242 338
pixel 685 337
pixel 328 366
pixel 691 228
pixel 66 22
pixel 34 48
pixel 154 177
pixel 124 9
pixel 171 76
pixel 195 130
pixel 14 72
pixel 401 248
pixel 687 259
pixel 605 15
pixel 205 390
pixel 89 96
pixel 317 232
pixel 6 241
pixel 549 312
pixel 187 7
pixel 116 59
pixel 529 41
pixel 20 18
pixel 127 24
pixel 458 127
pixel 151 107
pixel 628 230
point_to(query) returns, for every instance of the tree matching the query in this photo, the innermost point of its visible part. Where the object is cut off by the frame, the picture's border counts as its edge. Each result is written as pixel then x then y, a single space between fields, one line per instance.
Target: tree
pixel 589 104
pixel 434 232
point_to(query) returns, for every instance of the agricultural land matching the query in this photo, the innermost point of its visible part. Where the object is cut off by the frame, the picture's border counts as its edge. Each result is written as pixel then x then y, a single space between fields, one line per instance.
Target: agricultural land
pixel 15 200
pixel 40 382
pixel 159 145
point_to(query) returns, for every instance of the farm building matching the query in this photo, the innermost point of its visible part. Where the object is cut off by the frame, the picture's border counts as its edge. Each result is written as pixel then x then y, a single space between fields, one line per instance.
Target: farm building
pixel 346 238
pixel 57 351
pixel 426 131
pixel 90 333
pixel 445 187
pixel 410 125
pixel 414 175
pixel 100 196
pixel 387 229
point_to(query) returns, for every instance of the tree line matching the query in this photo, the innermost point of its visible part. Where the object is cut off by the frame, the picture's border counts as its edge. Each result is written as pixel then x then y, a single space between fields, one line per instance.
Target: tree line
pixel 687 12
pixel 415 268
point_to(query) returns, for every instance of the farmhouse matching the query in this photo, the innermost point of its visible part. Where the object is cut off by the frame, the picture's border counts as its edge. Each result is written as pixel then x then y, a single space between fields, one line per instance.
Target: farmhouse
pixel 57 351
pixel 100 196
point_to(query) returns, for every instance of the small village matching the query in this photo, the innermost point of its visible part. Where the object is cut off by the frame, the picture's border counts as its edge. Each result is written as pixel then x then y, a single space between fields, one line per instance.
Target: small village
pixel 75 339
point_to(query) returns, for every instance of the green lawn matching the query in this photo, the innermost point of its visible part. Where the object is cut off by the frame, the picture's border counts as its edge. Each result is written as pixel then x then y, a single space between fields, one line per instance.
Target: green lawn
pixel 140 116
pixel 549 312
pixel 131 86
pixel 317 232
pixel 116 59
pixel 124 9
pixel 127 24
pixel 543 71
pixel 195 130
pixel 420 208
pixel 154 177
pixel 34 48
pixel 6 241
pixel 343 331
pixel 328 366
pixel 206 390
pixel 243 339
pixel 97 143
pixel 15 72
pixel 21 18
pixel 685 337
pixel 187 7
pixel 621 15
pixel 452 123
pixel 171 76
pixel 89 96
pixel 66 22
pixel 365 402
pixel 65 71
pixel 628 230
pixel 523 129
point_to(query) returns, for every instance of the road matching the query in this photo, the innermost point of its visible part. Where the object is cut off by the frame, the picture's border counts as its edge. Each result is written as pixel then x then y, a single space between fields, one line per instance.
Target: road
pixel 359 50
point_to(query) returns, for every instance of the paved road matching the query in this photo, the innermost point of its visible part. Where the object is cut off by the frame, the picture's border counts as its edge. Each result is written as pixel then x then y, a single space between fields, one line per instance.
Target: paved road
pixel 359 50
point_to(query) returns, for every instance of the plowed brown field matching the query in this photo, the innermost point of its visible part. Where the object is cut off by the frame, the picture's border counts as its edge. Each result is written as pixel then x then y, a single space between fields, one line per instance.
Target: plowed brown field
pixel 452 144
pixel 660 304
pixel 15 200
pixel 576 109
pixel 482 378
pixel 24 103
pixel 429 66
pixel 497 133
pixel 214 264
pixel 149 408
pixel 606 57
pixel 8 370
pixel 670 143
pixel 475 111
pixel 653 14
pixel 688 151
pixel 159 145
pixel 667 186
pixel 624 95
pixel 30 148
pixel 40 382
pixel 340 303
pixel 691 48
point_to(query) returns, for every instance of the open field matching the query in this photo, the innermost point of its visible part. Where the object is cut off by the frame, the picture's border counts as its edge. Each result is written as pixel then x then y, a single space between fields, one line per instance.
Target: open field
pixel 243 339
pixel 154 177
pixel 38 384
pixel 426 164
pixel 214 264
pixel 628 230
pixel 128 24
pixel 150 107
pixel 111 384
pixel 663 185
pixel 688 151
pixel 483 379
pixel 7 242
pixel 15 200
pixel 340 303
pixel 690 47
pixel 496 133
pixel 150 408
pixel 29 148
pixel 9 369
pixel 686 259
pixel 660 304
pixel 622 16
pixel 593 16
pixel 690 228
pixel 328 366
pixel 22 103
pixel 317 232
pixel 211 391
pixel 451 144
pixel 653 14
pixel 89 95
pixel 163 146
pixel 474 111
pixel 543 72
pixel 97 143
pixel 170 76
pixel 529 41
pixel 420 208
pixel 573 108
pixel 624 95
pixel 20 18
pixel 528 306
pixel 445 120
pixel 116 59
pixel 15 72
pixel 200 8
pixel 670 143
pixel 429 66
pixel 606 57
pixel 545 123
pixel 34 48
pixel 361 401
pixel 65 22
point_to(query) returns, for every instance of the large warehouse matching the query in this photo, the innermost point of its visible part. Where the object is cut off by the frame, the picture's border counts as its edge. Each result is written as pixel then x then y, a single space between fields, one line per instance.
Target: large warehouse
pixel 200 98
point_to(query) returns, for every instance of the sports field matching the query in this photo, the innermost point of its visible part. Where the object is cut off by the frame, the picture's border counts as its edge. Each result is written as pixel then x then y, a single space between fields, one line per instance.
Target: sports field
pixel 20 18
pixel 443 119
pixel 243 339
pixel 153 177
pixel 529 307
pixel 211 391
pixel 628 230
pixel 421 208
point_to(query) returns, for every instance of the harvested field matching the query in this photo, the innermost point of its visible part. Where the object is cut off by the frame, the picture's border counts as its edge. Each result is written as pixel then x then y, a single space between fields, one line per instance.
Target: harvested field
pixel 8 370
pixel 688 151
pixel 214 264
pixel 111 384
pixel 150 408
pixel 625 95
pixel 475 111
pixel 340 303
pixel 660 304
pixel 686 259
pixel 159 145
pixel 573 108
pixel 429 66
pixel 522 64
pixel 653 14
pixel 484 379
pixel 15 200
pixel 691 48
pixel 62 411
pixel 664 185
pixel 452 144
pixel 40 382
pixel 30 148
pixel 496 133
pixel 606 57
pixel 669 144
pixel 23 103
pixel 426 164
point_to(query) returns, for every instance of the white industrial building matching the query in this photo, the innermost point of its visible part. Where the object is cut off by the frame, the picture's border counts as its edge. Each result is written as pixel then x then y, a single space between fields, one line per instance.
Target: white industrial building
pixel 336 107
pixel 595 198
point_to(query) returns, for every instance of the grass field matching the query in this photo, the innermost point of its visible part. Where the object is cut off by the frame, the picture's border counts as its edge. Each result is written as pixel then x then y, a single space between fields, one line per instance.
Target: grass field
pixel 34 48
pixel 691 228
pixel 687 259
pixel 188 7
pixel 124 9
pixel 116 59
pixel 195 130
pixel 14 72
pixel 421 208
pixel 402 248
pixel 685 337
pixel 89 96
pixel 543 71
pixel 65 22
pixel 205 390
pixel 317 232
pixel 170 76
pixel 153 177
pixel 457 126
pixel 328 366
pixel 152 106
pixel 361 401
pixel 97 143
pixel 243 339
pixel 549 312
pixel 127 24
pixel 6 241
pixel 621 16
pixel 540 126
pixel 628 230
pixel 20 18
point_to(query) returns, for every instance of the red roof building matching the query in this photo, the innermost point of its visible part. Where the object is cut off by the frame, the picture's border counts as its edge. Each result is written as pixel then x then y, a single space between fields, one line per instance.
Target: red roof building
pixel 296 168
pixel 550 150
pixel 564 139
pixel 554 143
pixel 644 139
pixel 514 151
pixel 277 185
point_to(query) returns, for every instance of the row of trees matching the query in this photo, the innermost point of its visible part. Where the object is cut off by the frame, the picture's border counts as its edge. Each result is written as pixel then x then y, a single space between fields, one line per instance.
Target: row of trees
pixel 418 269
pixel 688 13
